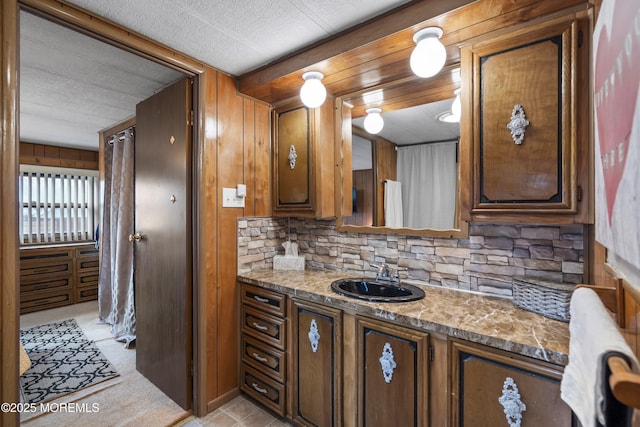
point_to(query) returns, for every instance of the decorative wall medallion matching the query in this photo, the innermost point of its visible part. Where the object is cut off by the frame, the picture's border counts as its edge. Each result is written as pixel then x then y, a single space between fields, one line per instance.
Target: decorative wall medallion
pixel 510 401
pixel 172 140
pixel 387 363
pixel 314 335
pixel 518 124
pixel 292 157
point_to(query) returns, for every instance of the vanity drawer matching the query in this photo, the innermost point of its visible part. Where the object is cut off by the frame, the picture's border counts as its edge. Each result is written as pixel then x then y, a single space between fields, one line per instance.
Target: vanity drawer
pixel 264 389
pixel 263 326
pixel 264 299
pixel 264 358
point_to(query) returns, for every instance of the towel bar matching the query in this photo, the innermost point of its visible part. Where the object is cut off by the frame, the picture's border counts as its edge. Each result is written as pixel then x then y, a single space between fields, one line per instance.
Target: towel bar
pixel 624 383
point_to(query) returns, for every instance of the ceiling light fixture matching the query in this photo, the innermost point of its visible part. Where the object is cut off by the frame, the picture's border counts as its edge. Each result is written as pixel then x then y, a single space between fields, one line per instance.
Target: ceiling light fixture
pixel 448 117
pixel 313 92
pixel 374 122
pixel 429 55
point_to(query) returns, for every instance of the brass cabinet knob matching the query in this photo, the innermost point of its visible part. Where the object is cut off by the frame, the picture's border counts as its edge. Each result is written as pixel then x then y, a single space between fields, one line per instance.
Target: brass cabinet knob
pixel 135 237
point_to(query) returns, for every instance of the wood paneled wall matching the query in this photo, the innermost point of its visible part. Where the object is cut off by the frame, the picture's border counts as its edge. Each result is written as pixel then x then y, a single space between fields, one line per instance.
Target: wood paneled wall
pixel 363 185
pixel 48 155
pixel 236 150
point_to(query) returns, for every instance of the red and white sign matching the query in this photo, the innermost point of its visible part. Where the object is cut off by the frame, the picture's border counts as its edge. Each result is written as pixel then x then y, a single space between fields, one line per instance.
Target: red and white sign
pixel 616 72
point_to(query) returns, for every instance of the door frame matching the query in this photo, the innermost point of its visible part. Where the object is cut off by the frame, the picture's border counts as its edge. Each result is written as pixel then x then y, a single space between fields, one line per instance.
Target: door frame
pixel 106 31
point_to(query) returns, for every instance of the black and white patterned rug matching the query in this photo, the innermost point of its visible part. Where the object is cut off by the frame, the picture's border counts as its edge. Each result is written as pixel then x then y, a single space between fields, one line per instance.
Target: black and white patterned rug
pixel 63 360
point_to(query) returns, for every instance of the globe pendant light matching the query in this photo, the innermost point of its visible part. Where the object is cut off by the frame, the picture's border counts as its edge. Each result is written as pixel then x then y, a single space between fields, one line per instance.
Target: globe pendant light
pixel 429 55
pixel 313 92
pixel 374 122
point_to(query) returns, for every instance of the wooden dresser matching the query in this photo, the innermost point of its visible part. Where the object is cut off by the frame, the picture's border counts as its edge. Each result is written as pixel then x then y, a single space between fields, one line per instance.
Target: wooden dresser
pixel 54 276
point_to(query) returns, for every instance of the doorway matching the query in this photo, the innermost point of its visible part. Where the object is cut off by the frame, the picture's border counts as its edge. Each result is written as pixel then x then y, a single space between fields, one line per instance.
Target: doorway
pixel 185 263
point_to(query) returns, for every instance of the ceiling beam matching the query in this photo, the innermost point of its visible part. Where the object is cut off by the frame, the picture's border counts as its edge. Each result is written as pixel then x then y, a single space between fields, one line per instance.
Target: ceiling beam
pixel 356 37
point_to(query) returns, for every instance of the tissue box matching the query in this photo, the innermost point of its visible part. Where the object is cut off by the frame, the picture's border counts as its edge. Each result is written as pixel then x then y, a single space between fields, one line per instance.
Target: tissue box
pixel 288 262
pixel 547 298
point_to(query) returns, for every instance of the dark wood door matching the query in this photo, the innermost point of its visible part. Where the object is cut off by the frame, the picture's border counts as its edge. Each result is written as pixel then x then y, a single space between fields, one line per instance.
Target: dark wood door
pixel 393 371
pixel 316 366
pixel 163 285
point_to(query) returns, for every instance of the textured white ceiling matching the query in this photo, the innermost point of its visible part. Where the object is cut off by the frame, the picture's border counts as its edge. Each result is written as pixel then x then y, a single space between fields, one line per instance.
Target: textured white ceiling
pixel 72 86
pixel 417 124
pixel 237 36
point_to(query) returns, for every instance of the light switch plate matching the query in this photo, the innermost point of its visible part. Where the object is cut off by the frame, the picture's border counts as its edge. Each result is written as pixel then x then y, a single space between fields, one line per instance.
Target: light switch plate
pixel 230 198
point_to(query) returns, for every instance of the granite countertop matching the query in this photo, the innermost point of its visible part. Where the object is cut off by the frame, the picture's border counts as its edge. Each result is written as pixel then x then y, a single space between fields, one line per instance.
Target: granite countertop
pixel 483 319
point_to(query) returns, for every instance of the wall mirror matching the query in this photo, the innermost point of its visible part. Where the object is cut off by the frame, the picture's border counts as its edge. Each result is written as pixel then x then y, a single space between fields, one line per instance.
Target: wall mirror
pixel 406 178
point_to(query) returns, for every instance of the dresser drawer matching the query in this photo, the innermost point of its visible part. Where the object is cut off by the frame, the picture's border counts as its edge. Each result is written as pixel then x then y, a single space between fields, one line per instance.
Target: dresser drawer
pixel 36 301
pixel 35 270
pixel 263 326
pixel 87 264
pixel 264 358
pixel 264 299
pixel 262 388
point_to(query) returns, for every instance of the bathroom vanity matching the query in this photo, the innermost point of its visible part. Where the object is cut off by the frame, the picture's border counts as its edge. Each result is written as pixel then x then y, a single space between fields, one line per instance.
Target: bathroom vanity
pixel 452 358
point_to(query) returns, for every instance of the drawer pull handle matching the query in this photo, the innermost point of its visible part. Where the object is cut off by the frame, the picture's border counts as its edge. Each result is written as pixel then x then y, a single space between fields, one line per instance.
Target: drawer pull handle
pixel 314 335
pixel 260 299
pixel 259 358
pixel 387 363
pixel 510 401
pixel 259 389
pixel 259 326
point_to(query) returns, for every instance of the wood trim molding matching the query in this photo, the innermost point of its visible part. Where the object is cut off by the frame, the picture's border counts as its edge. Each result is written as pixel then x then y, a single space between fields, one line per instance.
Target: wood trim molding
pixel 49 155
pixel 111 33
pixel 370 31
pixel 8 212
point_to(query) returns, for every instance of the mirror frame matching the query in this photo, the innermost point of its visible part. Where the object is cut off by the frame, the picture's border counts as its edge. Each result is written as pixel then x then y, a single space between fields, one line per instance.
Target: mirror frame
pixel 344 107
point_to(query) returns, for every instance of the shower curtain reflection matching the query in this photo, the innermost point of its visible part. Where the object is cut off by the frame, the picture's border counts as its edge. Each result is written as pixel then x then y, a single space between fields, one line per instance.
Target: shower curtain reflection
pixel 429 176
pixel 115 287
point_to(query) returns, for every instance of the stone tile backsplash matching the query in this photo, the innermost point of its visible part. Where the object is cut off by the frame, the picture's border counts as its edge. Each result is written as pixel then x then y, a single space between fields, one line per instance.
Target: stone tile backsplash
pixel 484 262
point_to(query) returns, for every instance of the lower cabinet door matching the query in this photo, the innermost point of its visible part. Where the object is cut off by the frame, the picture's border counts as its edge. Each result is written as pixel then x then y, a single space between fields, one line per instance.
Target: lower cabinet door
pixel 316 364
pixel 392 363
pixel 495 388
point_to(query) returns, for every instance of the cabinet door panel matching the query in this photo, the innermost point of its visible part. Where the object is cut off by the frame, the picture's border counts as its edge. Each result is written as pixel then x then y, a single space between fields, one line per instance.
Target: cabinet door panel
pixel 527 122
pixel 481 377
pixel 293 182
pixel 316 349
pixel 531 171
pixel 396 395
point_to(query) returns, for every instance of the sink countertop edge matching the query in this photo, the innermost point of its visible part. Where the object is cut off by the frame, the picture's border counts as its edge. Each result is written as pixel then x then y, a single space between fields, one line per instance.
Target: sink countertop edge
pixel 479 318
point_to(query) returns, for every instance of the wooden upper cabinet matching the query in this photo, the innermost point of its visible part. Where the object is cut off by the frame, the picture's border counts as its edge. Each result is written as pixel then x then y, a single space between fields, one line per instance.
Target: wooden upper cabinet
pixel 304 167
pixel 529 121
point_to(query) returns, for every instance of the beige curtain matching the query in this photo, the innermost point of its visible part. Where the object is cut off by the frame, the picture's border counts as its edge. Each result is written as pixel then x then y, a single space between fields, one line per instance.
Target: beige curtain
pixel 429 175
pixel 115 287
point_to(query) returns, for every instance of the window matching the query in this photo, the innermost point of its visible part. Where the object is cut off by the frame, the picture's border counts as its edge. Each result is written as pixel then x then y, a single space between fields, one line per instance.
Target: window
pixel 58 205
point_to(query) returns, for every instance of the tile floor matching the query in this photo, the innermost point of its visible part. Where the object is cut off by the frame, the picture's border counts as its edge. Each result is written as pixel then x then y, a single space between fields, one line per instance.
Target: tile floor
pixel 239 412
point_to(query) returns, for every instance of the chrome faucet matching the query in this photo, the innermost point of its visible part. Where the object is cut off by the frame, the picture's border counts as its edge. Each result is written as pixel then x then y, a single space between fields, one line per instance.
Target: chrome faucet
pixel 386 273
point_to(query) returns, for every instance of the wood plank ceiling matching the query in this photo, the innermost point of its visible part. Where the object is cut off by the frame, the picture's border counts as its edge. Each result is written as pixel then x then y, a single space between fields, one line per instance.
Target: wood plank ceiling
pixel 375 55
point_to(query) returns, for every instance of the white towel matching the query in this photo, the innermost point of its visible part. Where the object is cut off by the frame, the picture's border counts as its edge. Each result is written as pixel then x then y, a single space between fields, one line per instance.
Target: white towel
pixel 593 333
pixel 393 204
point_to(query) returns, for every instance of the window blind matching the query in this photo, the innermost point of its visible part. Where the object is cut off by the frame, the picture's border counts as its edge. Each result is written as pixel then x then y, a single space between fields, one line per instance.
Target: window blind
pixel 57 207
